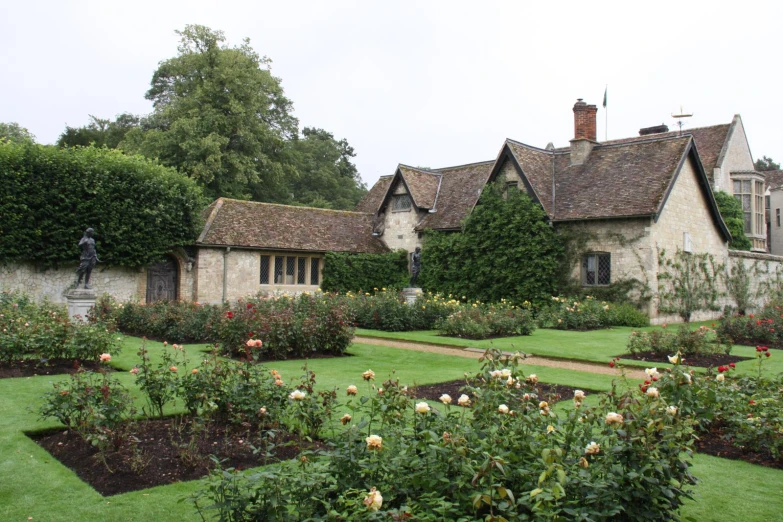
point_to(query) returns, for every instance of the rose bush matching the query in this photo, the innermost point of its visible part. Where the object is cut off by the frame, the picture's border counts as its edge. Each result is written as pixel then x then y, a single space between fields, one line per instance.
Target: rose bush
pixel 566 313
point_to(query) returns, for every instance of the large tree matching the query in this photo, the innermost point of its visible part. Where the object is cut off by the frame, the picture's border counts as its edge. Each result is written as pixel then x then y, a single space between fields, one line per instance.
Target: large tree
pixel 99 132
pixel 325 176
pixel 219 116
pixel 765 163
pixel 15 133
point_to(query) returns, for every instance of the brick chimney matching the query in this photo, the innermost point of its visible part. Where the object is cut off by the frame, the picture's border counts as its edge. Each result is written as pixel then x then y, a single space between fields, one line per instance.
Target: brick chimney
pixel 584 132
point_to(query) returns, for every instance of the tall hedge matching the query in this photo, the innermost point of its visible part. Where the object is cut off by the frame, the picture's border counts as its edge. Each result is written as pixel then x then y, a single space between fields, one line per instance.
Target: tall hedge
pixel 345 272
pixel 506 249
pixel 49 196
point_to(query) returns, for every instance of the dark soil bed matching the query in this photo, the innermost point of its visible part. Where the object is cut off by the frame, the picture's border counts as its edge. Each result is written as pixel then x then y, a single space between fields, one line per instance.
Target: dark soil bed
pixel 704 361
pixel 551 393
pixel 163 453
pixel 713 443
pixel 34 367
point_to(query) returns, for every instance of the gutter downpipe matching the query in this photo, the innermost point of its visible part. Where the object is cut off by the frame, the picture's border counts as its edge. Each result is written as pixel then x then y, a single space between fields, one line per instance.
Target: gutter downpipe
pixel 225 272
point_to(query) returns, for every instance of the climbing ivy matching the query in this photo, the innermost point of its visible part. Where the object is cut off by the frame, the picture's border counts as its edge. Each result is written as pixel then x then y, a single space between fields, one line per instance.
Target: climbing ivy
pixel 688 283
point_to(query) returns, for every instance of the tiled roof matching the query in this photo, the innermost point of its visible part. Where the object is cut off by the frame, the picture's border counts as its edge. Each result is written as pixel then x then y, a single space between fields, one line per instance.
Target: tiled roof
pixel 619 180
pixel 423 185
pixel 774 178
pixel 710 142
pixel 371 201
pixel 249 224
pixel 459 191
pixel 536 164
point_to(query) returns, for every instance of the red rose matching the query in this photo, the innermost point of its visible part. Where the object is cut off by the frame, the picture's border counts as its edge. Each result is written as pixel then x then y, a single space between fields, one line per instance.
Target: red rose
pixel 751 316
pixel 249 306
pixel 767 354
pixel 230 315
pixel 611 364
pixel 732 365
pixel 758 349
pixel 722 369
pixel 751 402
pixel 758 322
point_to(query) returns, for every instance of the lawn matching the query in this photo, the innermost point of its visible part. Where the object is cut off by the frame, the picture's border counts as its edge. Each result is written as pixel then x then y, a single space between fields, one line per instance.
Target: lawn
pixel 596 346
pixel 34 485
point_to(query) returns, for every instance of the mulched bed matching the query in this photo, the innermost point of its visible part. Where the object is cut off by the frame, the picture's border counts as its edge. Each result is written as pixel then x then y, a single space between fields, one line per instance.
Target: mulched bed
pixel 551 393
pixel 712 443
pixel 704 361
pixel 164 455
pixel 32 368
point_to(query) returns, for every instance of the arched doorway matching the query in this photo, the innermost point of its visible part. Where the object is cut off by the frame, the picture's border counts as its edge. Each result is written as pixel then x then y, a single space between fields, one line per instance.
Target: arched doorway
pixel 162 279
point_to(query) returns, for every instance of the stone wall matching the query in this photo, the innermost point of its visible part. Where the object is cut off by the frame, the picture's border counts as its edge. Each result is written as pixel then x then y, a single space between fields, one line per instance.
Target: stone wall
pixel 766 270
pixel 686 212
pixel 737 157
pixel 775 230
pixel 400 225
pixel 243 268
pixel 626 240
pixel 122 283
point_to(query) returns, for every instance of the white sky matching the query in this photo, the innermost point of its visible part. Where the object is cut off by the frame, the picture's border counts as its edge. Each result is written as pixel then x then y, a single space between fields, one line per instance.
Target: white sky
pixel 423 83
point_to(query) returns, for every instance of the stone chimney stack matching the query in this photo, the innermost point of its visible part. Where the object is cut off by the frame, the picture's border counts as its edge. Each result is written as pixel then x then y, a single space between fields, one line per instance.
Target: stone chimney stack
pixel 584 132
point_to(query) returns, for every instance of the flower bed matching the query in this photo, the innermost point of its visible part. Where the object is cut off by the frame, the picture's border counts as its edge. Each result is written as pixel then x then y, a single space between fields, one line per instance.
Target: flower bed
pixel 44 334
pixel 506 453
pixel 763 328
pixel 481 321
pixel 387 310
pixel 565 313
pixel 700 346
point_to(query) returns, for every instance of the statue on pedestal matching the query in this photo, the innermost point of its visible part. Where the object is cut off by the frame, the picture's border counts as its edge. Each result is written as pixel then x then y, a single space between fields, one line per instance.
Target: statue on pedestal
pixel 415 266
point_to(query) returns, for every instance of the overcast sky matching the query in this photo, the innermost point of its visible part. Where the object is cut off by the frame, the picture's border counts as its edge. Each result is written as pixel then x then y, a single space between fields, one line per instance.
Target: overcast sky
pixel 423 83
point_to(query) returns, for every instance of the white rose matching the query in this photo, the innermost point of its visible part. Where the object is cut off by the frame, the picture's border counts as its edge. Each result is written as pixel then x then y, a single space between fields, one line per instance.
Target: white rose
pixel 614 418
pixel 463 400
pixel 422 407
pixel 593 448
pixel 579 395
pixel 674 359
pixel 505 373
pixel 653 392
pixel 373 500
pixel 671 410
pixel 445 398
pixel 297 395
pixel 652 372
pixel 720 377
pixel 532 378
pixel 351 390
pixel 374 442
pixel 503 409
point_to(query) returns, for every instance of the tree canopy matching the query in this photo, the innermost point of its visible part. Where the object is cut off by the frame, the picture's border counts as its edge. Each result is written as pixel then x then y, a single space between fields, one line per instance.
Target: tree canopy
pixel 219 116
pixel 765 163
pixel 99 132
pixel 325 176
pixel 15 133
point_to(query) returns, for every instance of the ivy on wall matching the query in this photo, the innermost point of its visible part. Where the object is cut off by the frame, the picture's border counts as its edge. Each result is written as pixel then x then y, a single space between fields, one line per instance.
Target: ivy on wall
pixel 344 272
pixel 49 196
pixel 506 249
pixel 731 211
pixel 688 283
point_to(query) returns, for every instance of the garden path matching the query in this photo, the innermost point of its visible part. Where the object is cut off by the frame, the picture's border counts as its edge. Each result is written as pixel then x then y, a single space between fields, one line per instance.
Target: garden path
pixel 475 353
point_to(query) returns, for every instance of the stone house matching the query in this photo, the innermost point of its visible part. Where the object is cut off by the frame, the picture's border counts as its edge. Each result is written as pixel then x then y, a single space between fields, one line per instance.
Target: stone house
pixel 629 199
pixel 774 198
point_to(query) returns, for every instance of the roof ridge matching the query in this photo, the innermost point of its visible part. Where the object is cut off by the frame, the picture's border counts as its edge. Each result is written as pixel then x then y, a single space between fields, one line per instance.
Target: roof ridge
pixel 418 169
pixel 304 207
pixel 485 162
pixel 532 147
pixel 642 139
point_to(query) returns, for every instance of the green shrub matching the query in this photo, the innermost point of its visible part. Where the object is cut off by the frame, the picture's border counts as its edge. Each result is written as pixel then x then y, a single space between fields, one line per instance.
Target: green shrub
pixel 235 392
pixel 175 321
pixel 44 331
pixel 344 272
pixel 140 210
pixel 765 327
pixel 570 313
pixel 93 404
pixel 700 341
pixel 161 383
pixel 506 249
pixel 479 321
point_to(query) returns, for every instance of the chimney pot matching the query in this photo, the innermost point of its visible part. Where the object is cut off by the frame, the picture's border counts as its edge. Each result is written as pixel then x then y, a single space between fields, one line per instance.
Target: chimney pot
pixel 584 121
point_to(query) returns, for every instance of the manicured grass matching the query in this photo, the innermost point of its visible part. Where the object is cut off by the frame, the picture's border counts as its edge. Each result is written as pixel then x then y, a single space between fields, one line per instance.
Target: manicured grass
pixel 597 346
pixel 35 485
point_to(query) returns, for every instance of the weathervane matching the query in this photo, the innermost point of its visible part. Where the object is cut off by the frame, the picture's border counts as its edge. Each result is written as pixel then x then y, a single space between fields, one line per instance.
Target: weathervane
pixel 680 116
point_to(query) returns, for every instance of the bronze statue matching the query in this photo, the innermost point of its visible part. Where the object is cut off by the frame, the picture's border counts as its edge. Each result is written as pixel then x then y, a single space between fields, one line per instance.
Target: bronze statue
pixel 415 266
pixel 88 258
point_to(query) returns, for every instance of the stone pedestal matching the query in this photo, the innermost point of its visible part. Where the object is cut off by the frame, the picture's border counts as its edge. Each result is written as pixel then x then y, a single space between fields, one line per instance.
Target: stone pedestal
pixel 410 294
pixel 80 300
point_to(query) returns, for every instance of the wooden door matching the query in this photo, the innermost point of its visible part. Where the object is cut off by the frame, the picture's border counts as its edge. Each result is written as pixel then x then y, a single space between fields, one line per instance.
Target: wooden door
pixel 162 281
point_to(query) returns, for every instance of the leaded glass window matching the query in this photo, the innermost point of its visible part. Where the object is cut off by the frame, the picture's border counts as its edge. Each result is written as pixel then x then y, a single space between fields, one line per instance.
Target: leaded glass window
pixel 401 202
pixel 596 269
pixel 315 264
pixel 301 270
pixel 279 260
pixel 265 270
pixel 290 270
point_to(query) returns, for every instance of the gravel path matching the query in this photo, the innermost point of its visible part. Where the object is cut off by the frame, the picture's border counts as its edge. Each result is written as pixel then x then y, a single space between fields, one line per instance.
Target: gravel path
pixel 473 353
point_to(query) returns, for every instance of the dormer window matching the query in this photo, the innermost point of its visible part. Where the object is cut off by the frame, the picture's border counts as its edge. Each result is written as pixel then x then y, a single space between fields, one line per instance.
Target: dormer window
pixel 401 203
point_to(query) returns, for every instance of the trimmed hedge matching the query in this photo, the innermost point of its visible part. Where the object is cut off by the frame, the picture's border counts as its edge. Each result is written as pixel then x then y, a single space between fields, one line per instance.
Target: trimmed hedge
pixel 49 196
pixel 344 272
